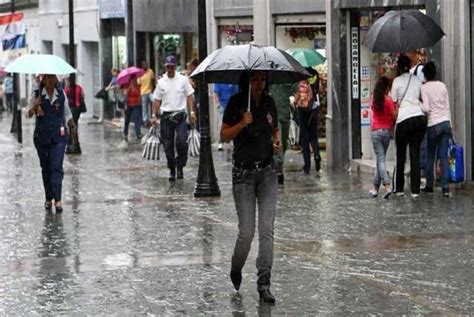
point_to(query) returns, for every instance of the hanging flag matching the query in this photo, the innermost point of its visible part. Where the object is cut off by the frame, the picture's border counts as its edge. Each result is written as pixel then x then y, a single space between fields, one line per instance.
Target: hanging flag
pixel 13 37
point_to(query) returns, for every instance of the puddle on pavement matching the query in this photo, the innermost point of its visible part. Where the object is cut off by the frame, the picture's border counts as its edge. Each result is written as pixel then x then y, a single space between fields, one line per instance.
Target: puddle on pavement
pixel 381 244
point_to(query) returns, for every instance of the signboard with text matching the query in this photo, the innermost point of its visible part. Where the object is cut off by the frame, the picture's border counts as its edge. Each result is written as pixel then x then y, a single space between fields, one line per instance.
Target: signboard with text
pixel 355 62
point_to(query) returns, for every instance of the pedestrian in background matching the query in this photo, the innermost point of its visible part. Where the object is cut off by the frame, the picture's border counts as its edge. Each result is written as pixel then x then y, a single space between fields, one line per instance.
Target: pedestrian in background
pixel 8 90
pixel 416 68
pixel 436 105
pixel 307 104
pixel 73 146
pixel 190 67
pixel 222 94
pixel 410 127
pixel 281 95
pixel 172 95
pixel 112 89
pixel 50 106
pixel 147 83
pixel 256 139
pixel 133 107
pixel 383 119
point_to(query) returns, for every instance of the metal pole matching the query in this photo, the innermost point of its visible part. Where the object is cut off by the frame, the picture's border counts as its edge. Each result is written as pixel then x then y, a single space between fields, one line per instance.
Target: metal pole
pixel 73 145
pixel 206 183
pixel 16 108
pixel 130 34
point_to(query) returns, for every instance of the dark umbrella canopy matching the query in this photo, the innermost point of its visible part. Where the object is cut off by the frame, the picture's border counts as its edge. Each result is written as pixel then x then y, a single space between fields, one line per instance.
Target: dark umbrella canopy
pixel 225 65
pixel 401 31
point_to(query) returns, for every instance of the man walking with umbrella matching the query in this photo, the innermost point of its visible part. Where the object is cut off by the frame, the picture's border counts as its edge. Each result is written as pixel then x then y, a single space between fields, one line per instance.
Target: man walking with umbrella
pixel 172 94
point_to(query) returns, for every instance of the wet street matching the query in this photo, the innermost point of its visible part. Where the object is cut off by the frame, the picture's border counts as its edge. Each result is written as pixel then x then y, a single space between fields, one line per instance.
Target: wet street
pixel 131 243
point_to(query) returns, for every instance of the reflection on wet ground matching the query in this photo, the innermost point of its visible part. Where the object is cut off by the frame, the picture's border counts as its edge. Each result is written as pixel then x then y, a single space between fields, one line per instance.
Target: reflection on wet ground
pixel 130 243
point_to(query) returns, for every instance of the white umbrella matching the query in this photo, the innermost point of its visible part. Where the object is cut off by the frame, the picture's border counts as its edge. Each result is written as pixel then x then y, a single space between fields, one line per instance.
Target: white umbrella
pixel 40 64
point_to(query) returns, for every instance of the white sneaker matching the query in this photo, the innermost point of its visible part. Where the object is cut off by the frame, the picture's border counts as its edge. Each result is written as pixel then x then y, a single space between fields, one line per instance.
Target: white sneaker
pixel 373 193
pixel 399 194
pixel 415 195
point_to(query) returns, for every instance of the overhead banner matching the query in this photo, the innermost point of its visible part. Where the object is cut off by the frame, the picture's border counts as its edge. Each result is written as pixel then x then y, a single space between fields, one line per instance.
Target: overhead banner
pixel 13 37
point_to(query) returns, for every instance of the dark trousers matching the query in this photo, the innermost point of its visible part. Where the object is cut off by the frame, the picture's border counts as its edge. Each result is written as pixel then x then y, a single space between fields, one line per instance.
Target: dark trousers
pixel 173 135
pixel 51 158
pixel 409 132
pixel 10 102
pixel 284 126
pixel 76 114
pixel 308 121
pixel 136 113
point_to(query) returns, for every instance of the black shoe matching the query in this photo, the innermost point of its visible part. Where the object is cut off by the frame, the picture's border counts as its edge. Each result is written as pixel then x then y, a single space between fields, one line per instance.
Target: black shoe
pixel 266 296
pixel 281 179
pixel 317 163
pixel 427 190
pixel 236 278
pixel 139 136
pixel 305 171
pixel 59 209
pixel 445 192
pixel 180 173
pixel 48 205
pixel 172 177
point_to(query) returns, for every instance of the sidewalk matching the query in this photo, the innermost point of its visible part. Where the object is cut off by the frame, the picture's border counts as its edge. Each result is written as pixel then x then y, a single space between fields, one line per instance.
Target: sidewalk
pixel 131 243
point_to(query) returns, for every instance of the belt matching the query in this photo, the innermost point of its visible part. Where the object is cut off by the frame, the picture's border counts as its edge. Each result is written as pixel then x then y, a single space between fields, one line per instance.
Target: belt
pixel 252 166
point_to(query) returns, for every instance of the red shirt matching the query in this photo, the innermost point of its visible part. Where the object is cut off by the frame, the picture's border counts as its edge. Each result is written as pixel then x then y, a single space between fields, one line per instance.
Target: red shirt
pixel 384 119
pixel 77 95
pixel 133 96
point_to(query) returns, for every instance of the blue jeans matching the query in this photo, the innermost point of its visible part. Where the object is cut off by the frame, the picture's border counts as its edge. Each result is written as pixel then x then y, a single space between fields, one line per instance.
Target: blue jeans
pixel 380 142
pixel 51 158
pixel 136 113
pixel 438 140
pixel 146 107
pixel 253 188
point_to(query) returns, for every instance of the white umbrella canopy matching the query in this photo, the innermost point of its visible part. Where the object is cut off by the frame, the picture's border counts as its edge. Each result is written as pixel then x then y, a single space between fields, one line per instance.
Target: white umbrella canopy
pixel 40 64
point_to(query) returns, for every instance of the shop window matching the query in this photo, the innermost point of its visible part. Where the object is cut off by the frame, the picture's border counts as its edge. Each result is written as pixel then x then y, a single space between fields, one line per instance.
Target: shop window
pixel 235 34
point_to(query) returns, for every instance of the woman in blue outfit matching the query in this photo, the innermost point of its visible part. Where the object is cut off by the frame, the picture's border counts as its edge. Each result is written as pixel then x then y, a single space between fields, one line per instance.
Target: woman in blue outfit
pixel 52 113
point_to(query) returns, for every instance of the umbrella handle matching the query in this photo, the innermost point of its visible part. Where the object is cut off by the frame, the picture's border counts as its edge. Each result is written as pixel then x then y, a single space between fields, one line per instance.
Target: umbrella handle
pixel 250 90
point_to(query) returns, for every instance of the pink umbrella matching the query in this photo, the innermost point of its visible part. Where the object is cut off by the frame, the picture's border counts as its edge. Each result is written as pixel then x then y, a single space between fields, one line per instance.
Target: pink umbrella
pixel 124 77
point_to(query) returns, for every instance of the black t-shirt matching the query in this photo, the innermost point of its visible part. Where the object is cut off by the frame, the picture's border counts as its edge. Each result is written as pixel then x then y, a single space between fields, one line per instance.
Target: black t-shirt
pixel 255 142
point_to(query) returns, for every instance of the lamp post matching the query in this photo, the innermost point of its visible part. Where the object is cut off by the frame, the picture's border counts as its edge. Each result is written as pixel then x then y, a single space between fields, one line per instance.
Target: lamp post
pixel 16 108
pixel 206 183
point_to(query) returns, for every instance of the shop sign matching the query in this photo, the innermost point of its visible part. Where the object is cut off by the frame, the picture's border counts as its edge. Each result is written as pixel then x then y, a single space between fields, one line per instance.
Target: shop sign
pixel 355 62
pixel 112 9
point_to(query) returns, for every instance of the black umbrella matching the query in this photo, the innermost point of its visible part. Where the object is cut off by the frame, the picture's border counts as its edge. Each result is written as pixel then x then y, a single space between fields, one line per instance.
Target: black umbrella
pixel 225 65
pixel 401 31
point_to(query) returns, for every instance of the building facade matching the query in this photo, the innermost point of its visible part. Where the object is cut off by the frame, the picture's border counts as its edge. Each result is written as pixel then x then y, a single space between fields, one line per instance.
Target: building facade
pixel 54 39
pixel 284 24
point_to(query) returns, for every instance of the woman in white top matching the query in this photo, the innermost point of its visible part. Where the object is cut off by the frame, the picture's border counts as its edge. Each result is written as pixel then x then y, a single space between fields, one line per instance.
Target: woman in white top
pixel 436 104
pixel 411 125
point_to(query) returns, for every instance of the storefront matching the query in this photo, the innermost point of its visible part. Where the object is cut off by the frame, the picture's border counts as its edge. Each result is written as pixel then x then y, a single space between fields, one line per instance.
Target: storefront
pixel 365 69
pixel 306 31
pixel 353 71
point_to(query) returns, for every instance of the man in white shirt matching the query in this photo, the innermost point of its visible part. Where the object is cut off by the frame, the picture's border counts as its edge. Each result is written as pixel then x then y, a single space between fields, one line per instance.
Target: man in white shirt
pixel 172 94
